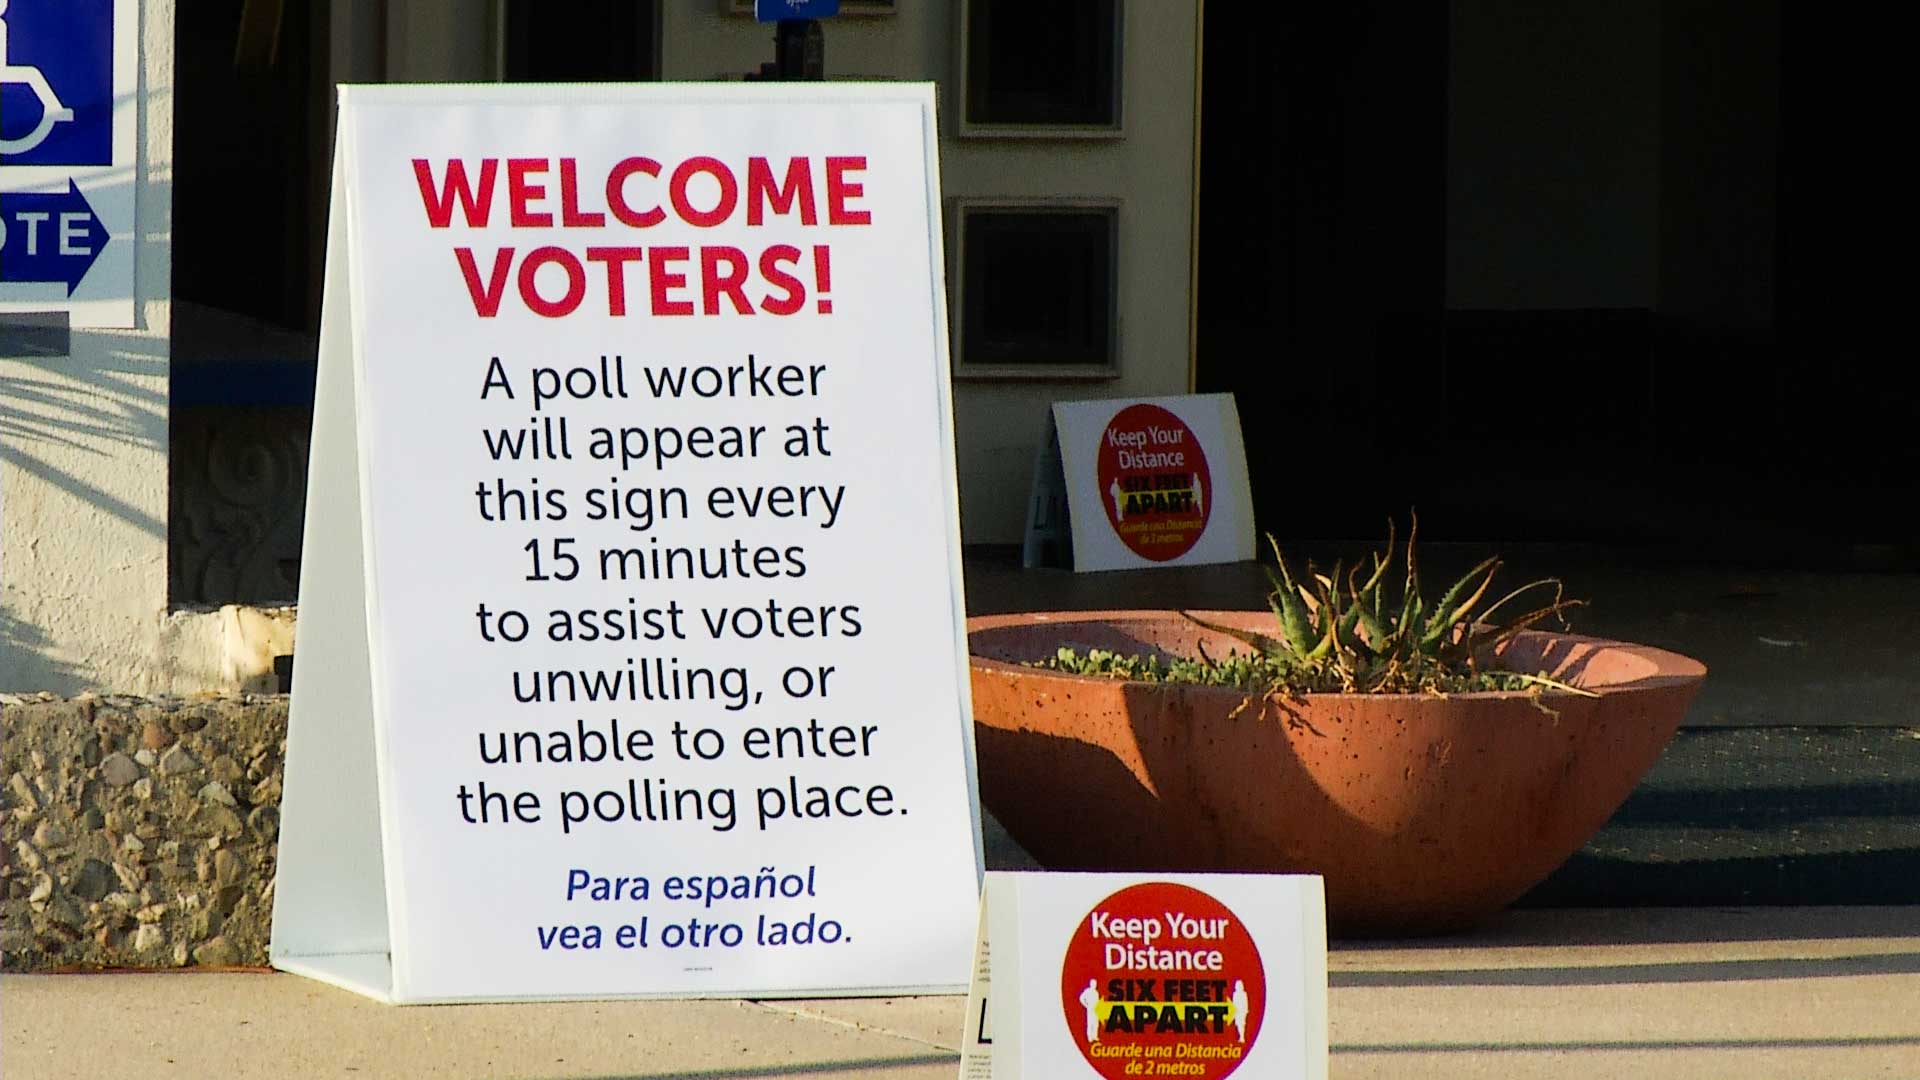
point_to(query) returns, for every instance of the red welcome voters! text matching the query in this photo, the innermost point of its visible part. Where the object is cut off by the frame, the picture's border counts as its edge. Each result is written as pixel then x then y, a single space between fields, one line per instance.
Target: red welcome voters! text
pixel 637 201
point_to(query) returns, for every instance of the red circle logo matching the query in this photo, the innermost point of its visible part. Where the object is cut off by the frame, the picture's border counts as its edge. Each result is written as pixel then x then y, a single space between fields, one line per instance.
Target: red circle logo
pixel 1154 482
pixel 1163 980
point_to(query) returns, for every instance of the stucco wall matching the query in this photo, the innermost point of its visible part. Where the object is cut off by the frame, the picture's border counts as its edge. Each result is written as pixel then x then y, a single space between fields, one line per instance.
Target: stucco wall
pixel 1150 171
pixel 84 434
pixel 83 463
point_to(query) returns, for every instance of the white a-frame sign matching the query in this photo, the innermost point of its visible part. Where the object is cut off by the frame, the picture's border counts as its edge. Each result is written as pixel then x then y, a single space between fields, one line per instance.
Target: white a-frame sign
pixel 632 655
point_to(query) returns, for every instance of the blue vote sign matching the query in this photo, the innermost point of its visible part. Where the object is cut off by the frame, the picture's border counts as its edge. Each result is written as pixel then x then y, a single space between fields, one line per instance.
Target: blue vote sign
pixel 51 237
pixel 783 10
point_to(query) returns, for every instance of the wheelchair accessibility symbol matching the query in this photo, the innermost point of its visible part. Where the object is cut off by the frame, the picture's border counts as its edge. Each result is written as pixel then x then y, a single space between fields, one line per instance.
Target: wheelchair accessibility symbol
pixel 56 82
pixel 51 111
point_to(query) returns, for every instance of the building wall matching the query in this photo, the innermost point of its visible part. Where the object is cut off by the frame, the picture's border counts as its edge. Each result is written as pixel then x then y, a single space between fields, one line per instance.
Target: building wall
pixel 84 438
pixel 83 462
pixel 1150 170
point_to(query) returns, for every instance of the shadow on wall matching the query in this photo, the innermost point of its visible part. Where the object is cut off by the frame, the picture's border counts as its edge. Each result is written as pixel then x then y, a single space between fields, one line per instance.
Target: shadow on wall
pixel 71 395
pixel 54 408
pixel 81 411
pixel 25 640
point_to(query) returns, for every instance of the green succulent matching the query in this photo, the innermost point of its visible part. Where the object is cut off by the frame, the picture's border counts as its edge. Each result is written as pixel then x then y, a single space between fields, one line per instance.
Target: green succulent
pixel 1338 633
pixel 1237 670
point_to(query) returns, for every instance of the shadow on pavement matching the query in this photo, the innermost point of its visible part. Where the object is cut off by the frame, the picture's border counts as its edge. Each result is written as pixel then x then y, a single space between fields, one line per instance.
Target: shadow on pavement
pixel 1856 877
pixel 855 1067
pixel 1703 971
pixel 1759 816
pixel 1835 1043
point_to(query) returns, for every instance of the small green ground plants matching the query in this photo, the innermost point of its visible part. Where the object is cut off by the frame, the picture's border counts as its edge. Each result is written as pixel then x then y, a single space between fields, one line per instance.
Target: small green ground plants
pixel 1340 633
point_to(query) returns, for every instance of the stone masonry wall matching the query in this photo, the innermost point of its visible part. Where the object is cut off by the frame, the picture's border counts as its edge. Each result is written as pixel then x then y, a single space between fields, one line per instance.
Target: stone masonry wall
pixel 144 832
pixel 138 832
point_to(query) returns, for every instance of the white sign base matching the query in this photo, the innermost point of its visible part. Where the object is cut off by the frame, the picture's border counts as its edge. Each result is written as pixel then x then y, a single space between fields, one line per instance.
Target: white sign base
pixel 632 654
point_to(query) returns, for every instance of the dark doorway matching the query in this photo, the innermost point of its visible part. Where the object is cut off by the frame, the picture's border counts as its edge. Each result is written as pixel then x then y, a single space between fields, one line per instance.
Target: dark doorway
pixel 1850 405
pixel 1551 272
pixel 1322 247
pixel 250 96
pixel 250 168
pixel 582 41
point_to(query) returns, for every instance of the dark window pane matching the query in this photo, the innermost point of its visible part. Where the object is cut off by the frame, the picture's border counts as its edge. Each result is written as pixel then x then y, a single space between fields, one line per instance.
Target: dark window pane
pixel 1049 62
pixel 1038 286
pixel 581 41
pixel 242 153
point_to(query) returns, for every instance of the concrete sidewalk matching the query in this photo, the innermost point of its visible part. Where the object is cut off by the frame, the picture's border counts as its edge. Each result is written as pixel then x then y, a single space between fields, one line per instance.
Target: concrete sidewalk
pixel 1751 992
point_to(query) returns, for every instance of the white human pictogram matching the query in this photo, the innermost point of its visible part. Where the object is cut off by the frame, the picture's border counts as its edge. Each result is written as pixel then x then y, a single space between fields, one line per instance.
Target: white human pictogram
pixel 51 110
pixel 1090 1001
pixel 1239 1000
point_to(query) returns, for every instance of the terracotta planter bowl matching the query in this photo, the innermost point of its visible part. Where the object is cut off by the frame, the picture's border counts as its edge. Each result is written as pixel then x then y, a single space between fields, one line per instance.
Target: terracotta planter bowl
pixel 1423 813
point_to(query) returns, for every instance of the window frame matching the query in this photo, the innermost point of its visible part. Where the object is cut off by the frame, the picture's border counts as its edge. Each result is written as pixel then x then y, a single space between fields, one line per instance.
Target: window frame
pixel 967 128
pixel 957 210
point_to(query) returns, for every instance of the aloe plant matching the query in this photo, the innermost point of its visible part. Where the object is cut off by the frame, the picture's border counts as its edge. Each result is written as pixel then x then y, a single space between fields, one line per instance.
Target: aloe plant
pixel 1338 633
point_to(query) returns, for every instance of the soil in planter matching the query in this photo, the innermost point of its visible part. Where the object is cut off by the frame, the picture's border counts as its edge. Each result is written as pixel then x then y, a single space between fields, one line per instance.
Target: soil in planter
pixel 1258 674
